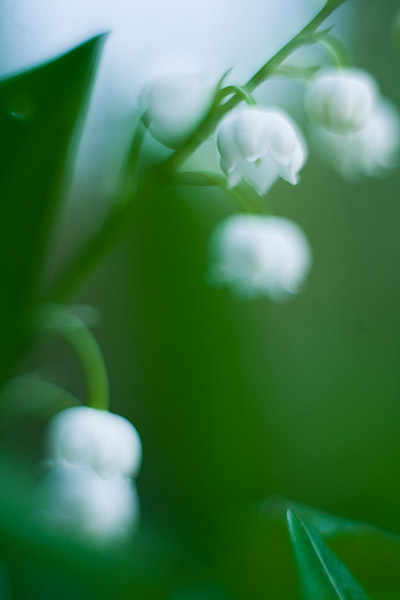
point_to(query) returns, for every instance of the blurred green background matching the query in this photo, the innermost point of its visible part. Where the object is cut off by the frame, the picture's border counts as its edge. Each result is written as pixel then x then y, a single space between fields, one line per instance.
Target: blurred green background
pixel 239 400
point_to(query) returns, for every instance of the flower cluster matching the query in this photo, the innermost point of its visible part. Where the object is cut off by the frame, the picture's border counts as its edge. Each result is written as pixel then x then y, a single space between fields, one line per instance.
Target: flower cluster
pixel 356 130
pixel 88 491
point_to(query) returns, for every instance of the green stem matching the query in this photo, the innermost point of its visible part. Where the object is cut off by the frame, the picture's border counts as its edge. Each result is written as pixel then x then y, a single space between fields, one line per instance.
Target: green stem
pixel 114 230
pixel 241 194
pixel 85 346
pixel 237 89
pixel 334 49
pixel 121 221
pixel 57 320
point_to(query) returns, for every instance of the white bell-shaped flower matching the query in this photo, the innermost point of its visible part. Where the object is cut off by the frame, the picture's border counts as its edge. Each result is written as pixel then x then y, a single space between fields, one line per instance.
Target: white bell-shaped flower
pixel 104 441
pixel 260 145
pixel 76 501
pixel 369 151
pixel 341 100
pixel 260 256
pixel 175 105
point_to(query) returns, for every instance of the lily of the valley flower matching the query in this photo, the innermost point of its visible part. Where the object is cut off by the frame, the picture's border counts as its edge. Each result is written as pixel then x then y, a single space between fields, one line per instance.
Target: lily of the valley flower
pixel 371 150
pixel 175 104
pixel 260 145
pixel 87 490
pixel 341 100
pixel 259 255
pixel 104 441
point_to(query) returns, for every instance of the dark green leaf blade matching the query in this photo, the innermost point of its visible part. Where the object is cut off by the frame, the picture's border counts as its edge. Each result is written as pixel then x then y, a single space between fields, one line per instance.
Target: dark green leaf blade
pixel 322 575
pixel 39 113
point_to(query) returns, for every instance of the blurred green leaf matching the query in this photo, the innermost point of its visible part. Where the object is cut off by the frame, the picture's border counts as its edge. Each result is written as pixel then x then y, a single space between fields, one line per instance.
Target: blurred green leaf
pixel 27 396
pixel 39 112
pixel 323 576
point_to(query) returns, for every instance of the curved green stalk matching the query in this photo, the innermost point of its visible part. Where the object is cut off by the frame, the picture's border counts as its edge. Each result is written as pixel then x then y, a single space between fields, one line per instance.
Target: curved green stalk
pixel 57 320
pixel 334 49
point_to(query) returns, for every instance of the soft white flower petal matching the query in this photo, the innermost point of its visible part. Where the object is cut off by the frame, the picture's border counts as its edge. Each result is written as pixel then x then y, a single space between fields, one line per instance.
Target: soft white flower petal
pixel 384 128
pixel 77 501
pixel 290 173
pixel 235 176
pixel 262 174
pixel 369 151
pixel 250 134
pixel 227 146
pixel 106 442
pixel 281 135
pixel 176 104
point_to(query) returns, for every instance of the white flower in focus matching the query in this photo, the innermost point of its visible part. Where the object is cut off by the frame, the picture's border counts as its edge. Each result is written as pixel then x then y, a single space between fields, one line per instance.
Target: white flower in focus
pixel 75 500
pixel 260 145
pixel 257 255
pixel 341 100
pixel 369 151
pixel 175 105
pixel 104 441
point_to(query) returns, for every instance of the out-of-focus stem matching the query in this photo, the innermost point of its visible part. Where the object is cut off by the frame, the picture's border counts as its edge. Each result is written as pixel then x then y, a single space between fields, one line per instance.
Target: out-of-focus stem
pixel 57 320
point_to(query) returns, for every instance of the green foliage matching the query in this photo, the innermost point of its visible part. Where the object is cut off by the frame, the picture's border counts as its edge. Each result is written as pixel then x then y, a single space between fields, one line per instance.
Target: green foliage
pixel 322 575
pixel 373 555
pixel 40 111
pixel 26 396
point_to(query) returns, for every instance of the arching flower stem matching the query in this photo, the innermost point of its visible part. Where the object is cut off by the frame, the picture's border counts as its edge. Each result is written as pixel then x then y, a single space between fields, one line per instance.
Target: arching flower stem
pixel 55 319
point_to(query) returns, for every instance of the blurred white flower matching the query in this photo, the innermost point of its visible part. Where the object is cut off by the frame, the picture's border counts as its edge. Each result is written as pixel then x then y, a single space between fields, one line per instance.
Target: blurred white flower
pixel 369 151
pixel 104 441
pixel 259 255
pixel 260 145
pixel 175 105
pixel 75 500
pixel 341 100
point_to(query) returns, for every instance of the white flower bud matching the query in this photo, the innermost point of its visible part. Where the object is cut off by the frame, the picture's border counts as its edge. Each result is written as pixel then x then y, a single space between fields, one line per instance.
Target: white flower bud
pixel 260 145
pixel 258 255
pixel 104 441
pixel 74 500
pixel 341 100
pixel 175 105
pixel 369 151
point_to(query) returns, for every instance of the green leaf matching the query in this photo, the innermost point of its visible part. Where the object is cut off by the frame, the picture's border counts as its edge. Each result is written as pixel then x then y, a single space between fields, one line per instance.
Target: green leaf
pixel 322 575
pixel 40 111
pixel 372 553
pixel 26 396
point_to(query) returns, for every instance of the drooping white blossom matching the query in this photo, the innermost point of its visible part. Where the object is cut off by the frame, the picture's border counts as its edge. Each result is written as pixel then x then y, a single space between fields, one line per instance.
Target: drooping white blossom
pixel 371 150
pixel 260 145
pixel 260 256
pixel 175 104
pixel 341 100
pixel 104 441
pixel 76 501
